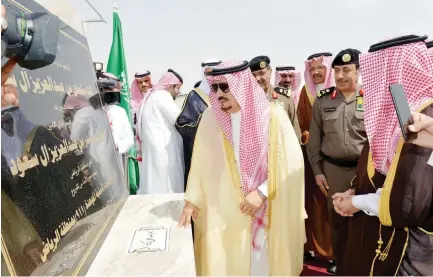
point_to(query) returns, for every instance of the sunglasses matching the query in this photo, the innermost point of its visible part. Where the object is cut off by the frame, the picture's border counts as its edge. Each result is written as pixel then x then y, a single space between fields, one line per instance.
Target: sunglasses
pixel 224 87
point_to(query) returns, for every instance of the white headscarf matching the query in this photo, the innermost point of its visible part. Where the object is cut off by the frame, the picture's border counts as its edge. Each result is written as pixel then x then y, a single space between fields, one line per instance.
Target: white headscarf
pixel 204 85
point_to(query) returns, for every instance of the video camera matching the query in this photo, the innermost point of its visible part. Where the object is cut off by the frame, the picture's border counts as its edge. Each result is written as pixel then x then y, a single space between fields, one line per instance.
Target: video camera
pixel 109 91
pixel 31 38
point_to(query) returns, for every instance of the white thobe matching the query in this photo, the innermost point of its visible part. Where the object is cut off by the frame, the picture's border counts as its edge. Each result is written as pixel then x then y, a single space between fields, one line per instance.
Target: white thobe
pixel 120 128
pixel 259 259
pixel 162 166
pixel 89 122
pixel 320 87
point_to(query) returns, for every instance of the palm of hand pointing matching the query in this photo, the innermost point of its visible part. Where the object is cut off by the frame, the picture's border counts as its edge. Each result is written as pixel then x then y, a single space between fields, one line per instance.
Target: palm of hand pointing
pixel 189 211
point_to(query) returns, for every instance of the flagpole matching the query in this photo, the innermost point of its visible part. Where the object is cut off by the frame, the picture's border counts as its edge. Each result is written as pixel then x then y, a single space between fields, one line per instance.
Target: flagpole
pixel 117 65
pixel 125 156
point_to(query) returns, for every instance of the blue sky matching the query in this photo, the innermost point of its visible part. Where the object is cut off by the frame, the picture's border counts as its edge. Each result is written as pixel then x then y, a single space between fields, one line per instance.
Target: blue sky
pixel 181 34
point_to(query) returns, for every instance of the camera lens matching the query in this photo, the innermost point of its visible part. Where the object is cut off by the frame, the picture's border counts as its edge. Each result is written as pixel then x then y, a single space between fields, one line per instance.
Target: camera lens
pixel 109 98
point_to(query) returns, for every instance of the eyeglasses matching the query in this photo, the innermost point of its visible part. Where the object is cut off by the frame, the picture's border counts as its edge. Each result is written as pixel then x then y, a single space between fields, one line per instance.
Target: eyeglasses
pixel 224 87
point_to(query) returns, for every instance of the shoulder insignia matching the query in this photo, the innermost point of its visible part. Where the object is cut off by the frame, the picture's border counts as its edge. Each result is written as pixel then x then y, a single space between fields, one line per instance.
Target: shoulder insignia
pixel 324 92
pixel 359 104
pixel 283 91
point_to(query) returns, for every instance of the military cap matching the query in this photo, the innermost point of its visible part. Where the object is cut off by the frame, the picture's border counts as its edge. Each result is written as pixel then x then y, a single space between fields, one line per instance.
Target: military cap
pixel 324 54
pixel 259 62
pixel 347 56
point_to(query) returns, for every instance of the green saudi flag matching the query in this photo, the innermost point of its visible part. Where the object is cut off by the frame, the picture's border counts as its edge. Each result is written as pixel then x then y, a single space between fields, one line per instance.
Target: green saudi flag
pixel 117 66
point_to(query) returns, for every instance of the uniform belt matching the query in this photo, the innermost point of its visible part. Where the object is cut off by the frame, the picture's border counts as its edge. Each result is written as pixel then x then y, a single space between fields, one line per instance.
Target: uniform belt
pixel 340 162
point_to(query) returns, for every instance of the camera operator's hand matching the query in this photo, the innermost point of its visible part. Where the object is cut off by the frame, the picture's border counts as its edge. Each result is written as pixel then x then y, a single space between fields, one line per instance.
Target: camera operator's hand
pixel 9 92
pixel 3 14
pixel 423 125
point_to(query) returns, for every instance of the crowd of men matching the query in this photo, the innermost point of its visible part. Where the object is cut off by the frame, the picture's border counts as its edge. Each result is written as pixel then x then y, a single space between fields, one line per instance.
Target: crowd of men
pixel 275 174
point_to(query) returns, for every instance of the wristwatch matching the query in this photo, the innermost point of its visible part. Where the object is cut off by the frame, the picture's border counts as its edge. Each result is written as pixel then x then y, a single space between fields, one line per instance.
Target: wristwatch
pixel 261 194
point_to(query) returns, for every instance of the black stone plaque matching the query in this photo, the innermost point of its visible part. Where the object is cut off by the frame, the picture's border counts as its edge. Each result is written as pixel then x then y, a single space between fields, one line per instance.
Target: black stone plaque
pixel 62 180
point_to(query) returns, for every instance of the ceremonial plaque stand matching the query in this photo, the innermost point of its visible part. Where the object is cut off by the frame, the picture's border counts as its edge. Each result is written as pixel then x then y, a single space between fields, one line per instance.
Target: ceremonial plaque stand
pixel 62 183
pixel 145 240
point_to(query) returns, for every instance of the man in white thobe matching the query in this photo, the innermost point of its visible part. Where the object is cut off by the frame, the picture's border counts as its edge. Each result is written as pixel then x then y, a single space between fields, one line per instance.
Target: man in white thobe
pixel 162 166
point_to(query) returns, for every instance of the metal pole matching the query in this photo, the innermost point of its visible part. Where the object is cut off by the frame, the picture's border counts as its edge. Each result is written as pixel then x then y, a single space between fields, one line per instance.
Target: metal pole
pixel 96 11
pixel 125 166
pixel 92 20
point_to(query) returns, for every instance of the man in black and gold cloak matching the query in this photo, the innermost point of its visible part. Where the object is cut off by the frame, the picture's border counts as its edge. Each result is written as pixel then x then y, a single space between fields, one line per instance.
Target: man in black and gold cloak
pixel 391 203
pixel 196 102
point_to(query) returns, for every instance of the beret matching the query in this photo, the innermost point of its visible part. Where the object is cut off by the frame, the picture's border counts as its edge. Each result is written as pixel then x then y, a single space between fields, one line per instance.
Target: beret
pixel 346 56
pixel 259 63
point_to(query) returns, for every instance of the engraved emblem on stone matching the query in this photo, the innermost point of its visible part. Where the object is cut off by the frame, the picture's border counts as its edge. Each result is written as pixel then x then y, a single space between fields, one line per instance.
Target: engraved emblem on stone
pixel 150 239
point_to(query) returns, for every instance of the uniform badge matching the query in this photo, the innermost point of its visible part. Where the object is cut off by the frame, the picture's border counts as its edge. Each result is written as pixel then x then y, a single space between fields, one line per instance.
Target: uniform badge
pixel 359 104
pixel 334 94
pixel 262 64
pixel 346 58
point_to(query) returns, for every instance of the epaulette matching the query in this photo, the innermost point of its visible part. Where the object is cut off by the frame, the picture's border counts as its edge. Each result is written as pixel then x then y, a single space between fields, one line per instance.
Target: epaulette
pixel 325 91
pixel 283 91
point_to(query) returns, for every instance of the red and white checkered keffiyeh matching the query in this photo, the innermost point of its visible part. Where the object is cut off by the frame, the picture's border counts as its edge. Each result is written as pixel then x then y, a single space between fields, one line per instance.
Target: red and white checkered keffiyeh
pixel 329 78
pixel 253 145
pixel 167 79
pixel 409 65
pixel 136 95
pixel 296 83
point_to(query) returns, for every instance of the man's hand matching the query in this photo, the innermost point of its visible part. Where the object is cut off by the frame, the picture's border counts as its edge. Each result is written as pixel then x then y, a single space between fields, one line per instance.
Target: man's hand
pixel 338 199
pixel 304 137
pixel 252 202
pixel 9 93
pixel 346 206
pixel 345 194
pixel 3 15
pixel 423 125
pixel 322 183
pixel 189 211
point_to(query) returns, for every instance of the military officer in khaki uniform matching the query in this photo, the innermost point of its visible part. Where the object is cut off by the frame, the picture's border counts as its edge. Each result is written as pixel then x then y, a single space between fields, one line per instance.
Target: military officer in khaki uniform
pixel 262 71
pixel 337 133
